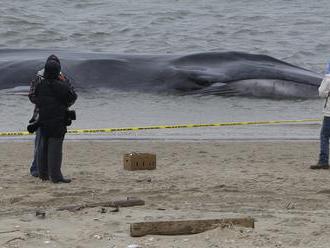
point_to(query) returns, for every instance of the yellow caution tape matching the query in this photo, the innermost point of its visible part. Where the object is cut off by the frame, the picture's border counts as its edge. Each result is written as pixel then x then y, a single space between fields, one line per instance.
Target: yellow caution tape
pixel 14 133
pixel 110 130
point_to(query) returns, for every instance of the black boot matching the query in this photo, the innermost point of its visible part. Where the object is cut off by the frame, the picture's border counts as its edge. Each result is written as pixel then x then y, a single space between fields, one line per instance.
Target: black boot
pixel 319 167
pixel 61 180
pixel 44 177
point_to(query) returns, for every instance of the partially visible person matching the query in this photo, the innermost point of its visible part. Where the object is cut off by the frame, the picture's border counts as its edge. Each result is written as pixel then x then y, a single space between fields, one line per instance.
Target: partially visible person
pixel 52 95
pixel 34 167
pixel 324 91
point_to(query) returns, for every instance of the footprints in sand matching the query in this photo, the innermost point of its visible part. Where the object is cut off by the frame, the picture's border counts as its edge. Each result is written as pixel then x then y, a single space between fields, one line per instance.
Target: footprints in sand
pixel 11 200
pixel 65 193
pixel 225 188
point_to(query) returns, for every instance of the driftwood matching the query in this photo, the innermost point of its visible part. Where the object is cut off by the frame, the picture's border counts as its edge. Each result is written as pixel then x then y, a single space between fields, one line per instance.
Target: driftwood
pixel 129 202
pixel 182 227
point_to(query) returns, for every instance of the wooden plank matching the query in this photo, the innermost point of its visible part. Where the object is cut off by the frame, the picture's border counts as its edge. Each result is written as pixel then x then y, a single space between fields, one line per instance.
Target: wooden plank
pixel 115 204
pixel 182 227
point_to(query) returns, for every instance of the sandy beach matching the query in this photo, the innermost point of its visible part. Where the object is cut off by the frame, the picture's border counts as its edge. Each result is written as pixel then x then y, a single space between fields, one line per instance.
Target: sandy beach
pixel 267 180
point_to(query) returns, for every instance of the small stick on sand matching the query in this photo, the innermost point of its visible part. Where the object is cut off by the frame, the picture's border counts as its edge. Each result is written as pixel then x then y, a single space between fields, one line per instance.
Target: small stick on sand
pixel 129 202
pixel 10 231
pixel 20 238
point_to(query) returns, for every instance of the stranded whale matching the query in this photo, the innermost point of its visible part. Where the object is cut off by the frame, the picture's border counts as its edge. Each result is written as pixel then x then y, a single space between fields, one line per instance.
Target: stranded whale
pixel 225 74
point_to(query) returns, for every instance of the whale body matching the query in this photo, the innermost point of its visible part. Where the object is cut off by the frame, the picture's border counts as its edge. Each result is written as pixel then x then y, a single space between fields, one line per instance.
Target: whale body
pixel 225 73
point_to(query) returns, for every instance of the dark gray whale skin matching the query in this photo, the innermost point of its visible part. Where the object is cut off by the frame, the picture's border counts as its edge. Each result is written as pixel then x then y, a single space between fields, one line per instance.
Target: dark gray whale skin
pixel 225 74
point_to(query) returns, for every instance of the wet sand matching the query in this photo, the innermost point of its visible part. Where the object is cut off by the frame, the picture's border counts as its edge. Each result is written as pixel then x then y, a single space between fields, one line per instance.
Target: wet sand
pixel 269 181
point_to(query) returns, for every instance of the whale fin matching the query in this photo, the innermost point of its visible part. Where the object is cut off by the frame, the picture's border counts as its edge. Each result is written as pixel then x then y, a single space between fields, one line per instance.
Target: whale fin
pixel 220 89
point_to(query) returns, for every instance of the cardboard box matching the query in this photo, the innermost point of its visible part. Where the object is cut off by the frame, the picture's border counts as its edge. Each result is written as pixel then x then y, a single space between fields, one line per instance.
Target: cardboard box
pixel 139 161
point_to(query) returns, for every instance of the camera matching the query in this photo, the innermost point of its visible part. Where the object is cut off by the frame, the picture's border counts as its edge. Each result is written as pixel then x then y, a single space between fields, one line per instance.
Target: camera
pixel 70 115
pixel 33 126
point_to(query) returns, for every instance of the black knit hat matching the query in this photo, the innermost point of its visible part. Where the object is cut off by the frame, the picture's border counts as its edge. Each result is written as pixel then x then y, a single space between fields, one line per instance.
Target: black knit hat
pixel 52 69
pixel 54 57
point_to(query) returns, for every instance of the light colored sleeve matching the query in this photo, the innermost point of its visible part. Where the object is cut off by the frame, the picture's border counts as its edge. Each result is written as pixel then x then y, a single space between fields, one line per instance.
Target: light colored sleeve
pixel 324 88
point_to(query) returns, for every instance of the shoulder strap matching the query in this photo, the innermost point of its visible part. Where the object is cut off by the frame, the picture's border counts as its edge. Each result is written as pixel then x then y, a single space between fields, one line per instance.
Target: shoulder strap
pixel 326 101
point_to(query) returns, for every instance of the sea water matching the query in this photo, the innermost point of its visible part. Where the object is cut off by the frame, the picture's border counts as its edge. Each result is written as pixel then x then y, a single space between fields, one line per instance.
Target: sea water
pixel 294 31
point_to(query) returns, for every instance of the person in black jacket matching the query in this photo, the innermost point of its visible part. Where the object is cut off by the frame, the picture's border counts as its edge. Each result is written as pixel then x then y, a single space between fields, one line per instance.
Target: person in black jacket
pixel 53 96
pixel 40 75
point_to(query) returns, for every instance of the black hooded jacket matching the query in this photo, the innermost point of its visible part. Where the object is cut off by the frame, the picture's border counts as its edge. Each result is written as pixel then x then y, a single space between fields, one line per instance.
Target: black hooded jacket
pixel 53 97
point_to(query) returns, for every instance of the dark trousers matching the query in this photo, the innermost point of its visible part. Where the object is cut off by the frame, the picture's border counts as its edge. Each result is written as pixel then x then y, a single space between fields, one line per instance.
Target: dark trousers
pixel 324 141
pixel 50 158
pixel 34 167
